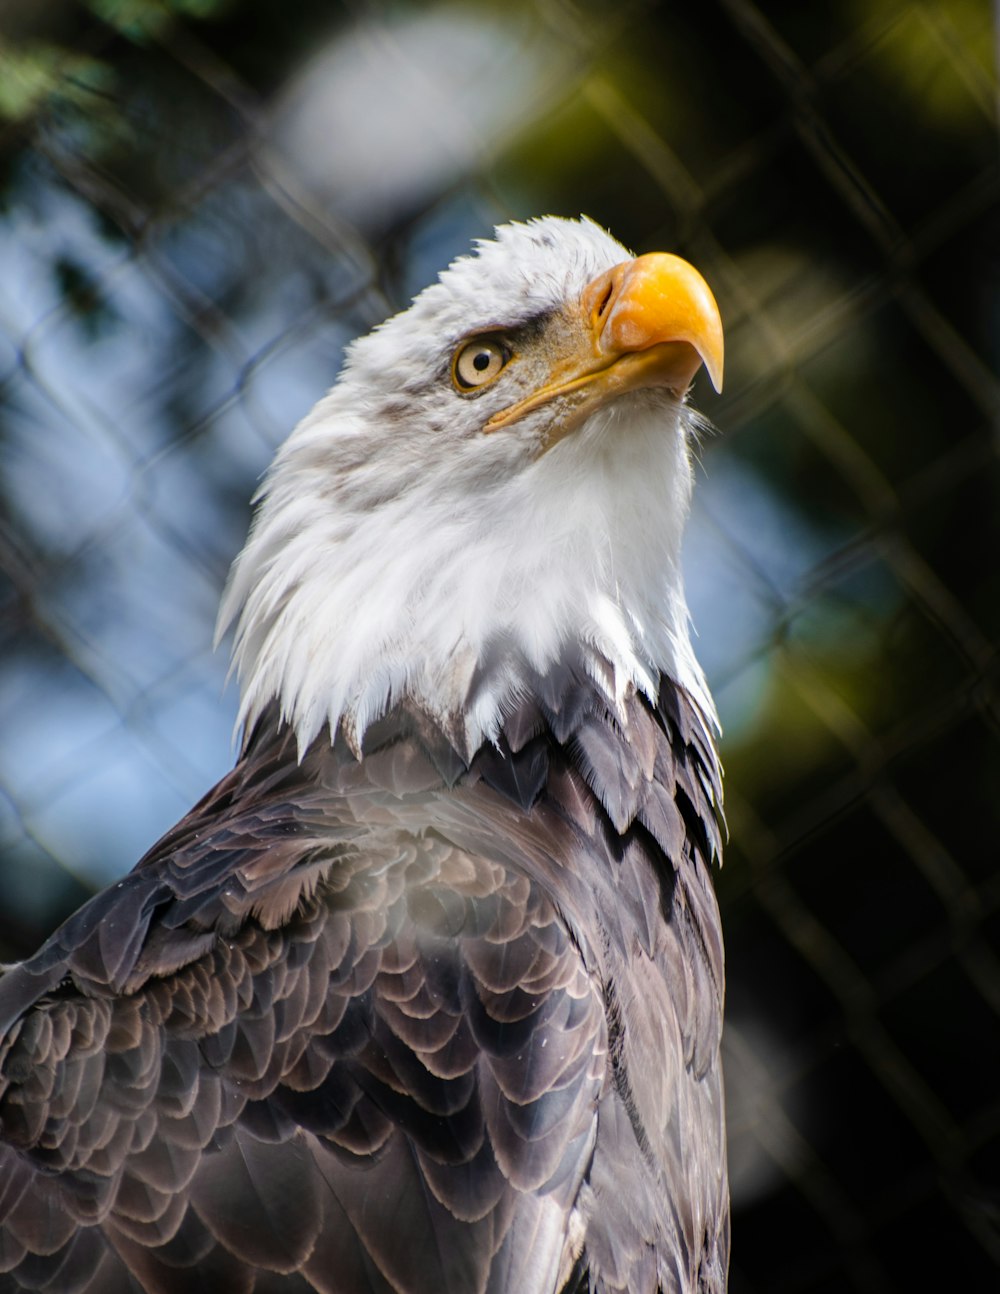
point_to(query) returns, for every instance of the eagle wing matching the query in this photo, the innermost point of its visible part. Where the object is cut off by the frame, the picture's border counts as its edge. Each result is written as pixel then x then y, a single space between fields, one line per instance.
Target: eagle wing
pixel 404 1023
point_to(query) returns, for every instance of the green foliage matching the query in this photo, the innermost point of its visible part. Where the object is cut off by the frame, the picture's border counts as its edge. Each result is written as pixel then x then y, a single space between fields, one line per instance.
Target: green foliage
pixel 34 74
pixel 39 72
pixel 141 20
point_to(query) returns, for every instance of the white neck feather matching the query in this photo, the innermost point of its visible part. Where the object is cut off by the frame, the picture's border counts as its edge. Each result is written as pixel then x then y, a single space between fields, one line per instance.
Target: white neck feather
pixel 357 588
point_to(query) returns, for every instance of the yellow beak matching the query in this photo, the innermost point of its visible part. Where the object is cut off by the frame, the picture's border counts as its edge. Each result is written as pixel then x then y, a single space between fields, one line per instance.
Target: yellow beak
pixel 657 300
pixel 648 322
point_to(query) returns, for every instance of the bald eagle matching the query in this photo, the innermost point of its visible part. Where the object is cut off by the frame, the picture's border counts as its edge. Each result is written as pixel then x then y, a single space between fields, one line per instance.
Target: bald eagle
pixel 425 996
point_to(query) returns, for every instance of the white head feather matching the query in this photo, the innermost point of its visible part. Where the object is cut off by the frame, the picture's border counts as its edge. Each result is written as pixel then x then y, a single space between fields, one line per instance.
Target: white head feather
pixel 396 546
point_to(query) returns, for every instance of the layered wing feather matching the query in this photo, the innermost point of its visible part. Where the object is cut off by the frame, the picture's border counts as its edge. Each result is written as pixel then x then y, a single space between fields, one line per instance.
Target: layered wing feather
pixel 402 1023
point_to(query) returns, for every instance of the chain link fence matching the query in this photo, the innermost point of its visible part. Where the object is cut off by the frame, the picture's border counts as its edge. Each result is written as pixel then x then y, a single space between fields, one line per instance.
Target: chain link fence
pixel 202 201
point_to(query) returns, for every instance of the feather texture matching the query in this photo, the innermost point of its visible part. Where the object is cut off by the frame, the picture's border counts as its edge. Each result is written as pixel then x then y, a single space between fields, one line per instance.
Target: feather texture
pixel 494 1007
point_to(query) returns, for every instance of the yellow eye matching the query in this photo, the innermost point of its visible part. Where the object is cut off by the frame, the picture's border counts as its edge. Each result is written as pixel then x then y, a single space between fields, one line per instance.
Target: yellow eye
pixel 478 362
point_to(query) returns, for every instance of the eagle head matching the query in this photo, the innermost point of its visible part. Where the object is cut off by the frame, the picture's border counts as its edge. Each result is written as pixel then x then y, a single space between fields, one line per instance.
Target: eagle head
pixel 496 484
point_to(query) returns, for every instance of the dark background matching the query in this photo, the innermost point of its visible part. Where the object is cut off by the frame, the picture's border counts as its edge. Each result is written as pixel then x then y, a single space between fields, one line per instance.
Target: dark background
pixel 201 201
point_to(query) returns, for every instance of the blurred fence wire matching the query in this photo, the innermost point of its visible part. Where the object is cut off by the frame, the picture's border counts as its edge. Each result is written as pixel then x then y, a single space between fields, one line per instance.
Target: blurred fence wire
pixel 202 201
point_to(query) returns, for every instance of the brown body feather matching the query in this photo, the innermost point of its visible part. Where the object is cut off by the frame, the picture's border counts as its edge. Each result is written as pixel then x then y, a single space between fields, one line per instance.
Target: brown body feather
pixel 403 1023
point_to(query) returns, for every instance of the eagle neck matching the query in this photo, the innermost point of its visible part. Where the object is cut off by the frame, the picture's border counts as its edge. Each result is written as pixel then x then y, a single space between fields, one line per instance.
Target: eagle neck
pixel 457 591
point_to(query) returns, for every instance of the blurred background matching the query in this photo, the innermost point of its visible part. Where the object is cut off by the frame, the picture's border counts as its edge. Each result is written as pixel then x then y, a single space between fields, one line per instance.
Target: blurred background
pixel 202 201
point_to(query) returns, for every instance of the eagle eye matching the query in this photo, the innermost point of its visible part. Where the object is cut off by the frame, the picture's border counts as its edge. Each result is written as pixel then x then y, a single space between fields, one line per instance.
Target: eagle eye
pixel 478 362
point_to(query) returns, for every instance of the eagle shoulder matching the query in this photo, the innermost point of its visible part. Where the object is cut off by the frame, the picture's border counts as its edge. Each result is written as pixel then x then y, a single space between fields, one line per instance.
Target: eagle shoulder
pixel 455 988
